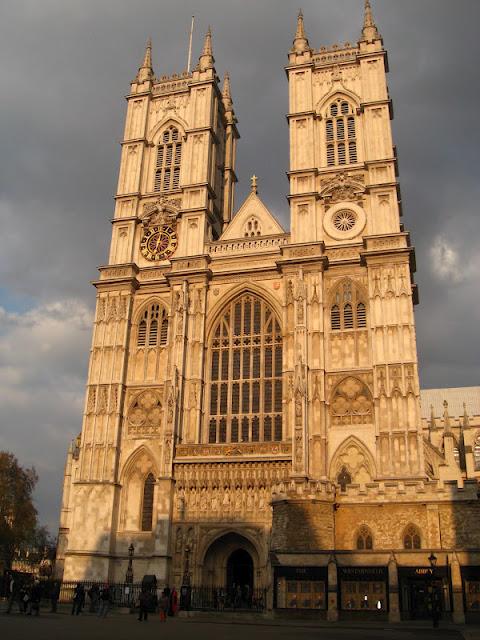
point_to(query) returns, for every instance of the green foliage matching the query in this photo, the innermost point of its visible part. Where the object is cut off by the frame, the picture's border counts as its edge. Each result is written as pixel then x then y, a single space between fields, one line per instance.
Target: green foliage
pixel 18 516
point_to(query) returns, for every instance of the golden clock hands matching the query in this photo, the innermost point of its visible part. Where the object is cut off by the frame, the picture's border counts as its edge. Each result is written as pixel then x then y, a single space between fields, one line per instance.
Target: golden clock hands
pixel 158 241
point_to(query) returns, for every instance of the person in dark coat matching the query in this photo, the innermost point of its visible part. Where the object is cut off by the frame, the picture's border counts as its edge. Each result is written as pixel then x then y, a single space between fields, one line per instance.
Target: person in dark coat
pixel 35 597
pixel 105 599
pixel 78 599
pixel 54 596
pixel 94 595
pixel 145 603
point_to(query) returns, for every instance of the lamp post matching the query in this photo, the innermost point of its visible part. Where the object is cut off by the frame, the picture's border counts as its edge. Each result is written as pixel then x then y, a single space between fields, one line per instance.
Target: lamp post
pixel 129 573
pixel 186 589
pixel 434 595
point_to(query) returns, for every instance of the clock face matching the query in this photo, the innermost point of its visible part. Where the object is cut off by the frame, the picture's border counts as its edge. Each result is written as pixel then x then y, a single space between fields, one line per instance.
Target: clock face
pixel 158 243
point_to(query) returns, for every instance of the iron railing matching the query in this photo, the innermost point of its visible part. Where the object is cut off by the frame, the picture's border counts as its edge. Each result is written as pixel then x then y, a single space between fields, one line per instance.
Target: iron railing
pixel 227 599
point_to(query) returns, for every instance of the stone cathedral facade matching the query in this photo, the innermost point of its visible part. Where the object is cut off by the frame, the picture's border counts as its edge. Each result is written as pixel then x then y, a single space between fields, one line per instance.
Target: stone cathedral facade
pixel 253 411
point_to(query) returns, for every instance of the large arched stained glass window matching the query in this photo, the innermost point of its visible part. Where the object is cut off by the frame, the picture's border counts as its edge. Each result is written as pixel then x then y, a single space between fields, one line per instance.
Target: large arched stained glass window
pixel 147 504
pixel 245 387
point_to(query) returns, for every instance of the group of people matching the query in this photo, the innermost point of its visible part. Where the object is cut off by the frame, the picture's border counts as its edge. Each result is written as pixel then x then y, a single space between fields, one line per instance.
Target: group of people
pixel 148 602
pixel 100 599
pixel 28 594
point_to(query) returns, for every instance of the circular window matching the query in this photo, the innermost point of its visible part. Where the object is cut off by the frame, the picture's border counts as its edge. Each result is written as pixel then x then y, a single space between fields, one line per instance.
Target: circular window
pixel 344 220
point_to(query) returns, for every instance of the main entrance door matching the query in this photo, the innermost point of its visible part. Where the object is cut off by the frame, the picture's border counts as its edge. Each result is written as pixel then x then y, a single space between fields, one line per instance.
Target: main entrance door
pixel 240 570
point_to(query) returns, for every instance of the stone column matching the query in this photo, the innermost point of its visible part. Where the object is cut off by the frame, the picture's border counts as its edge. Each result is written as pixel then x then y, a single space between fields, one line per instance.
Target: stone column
pixel 458 610
pixel 394 604
pixel 332 604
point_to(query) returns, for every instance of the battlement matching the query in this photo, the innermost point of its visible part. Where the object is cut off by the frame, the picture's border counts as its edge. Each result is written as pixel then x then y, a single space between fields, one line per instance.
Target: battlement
pixel 171 84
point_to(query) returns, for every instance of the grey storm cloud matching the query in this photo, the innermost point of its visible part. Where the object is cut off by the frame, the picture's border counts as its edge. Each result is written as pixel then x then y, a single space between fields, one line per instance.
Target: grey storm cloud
pixel 66 65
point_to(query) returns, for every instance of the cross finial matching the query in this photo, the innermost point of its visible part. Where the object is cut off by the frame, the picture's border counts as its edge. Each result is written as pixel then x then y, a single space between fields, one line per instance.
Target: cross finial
pixel 254 184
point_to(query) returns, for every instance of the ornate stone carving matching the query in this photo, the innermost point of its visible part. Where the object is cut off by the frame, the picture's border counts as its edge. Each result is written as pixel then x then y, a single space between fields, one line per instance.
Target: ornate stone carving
pixel 162 211
pixel 344 187
pixel 351 403
pixel 145 414
pixel 232 450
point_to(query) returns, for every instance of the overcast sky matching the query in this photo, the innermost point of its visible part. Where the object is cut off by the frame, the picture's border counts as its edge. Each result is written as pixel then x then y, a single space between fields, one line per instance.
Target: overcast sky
pixel 66 66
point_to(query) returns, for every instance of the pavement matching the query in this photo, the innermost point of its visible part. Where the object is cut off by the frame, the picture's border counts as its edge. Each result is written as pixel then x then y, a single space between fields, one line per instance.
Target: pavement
pixel 125 626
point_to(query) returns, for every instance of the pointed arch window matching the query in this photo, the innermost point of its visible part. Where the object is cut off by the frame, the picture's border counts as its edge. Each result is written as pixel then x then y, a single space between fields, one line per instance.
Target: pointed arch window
pixel 348 310
pixel 147 503
pixel 153 327
pixel 476 453
pixel 168 161
pixel 412 538
pixel 245 386
pixel 341 133
pixel 364 539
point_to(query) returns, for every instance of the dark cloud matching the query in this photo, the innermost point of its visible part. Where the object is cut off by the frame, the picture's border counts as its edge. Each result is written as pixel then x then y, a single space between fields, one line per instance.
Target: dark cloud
pixel 65 69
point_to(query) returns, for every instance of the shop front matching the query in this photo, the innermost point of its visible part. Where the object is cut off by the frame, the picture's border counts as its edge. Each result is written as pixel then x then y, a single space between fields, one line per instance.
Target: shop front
pixel 300 588
pixel 471 593
pixel 363 589
pixel 417 587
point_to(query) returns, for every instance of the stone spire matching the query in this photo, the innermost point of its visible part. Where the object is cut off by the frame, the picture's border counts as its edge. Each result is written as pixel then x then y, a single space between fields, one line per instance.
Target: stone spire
pixel 432 417
pixel 226 93
pixel 300 42
pixel 466 421
pixel 369 31
pixel 206 60
pixel 145 72
pixel 446 417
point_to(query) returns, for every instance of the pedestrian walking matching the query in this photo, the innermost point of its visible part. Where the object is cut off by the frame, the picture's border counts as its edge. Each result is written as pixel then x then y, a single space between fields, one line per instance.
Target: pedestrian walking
pixel 78 599
pixel 105 599
pixel 35 597
pixel 173 602
pixel 164 604
pixel 12 591
pixel 94 597
pixel 54 596
pixel 144 604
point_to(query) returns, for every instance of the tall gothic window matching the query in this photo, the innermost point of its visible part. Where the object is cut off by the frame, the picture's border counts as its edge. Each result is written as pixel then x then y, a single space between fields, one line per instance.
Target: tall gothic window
pixel 147 503
pixel 411 538
pixel 246 374
pixel 364 538
pixel 168 160
pixel 153 327
pixel 341 135
pixel 348 310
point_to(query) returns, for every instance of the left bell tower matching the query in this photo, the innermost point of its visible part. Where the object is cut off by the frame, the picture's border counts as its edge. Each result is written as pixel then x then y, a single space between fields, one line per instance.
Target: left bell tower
pixel 177 168
pixel 175 193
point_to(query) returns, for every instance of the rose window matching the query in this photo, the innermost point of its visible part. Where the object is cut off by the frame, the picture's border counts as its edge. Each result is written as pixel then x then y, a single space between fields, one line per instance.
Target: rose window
pixel 344 220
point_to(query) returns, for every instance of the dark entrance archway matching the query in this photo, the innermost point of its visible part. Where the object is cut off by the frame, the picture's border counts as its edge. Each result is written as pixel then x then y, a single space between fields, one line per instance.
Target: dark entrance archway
pixel 240 570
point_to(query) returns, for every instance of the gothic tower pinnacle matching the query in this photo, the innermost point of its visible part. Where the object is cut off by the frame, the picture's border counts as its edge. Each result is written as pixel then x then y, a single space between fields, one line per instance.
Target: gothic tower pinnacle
pixel 369 30
pixel 300 42
pixel 145 72
pixel 206 60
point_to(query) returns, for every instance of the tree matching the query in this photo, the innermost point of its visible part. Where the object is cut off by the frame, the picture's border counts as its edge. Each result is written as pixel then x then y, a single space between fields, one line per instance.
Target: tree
pixel 18 516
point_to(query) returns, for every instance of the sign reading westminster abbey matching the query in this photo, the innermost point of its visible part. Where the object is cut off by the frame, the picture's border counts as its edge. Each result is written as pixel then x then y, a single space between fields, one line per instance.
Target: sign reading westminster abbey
pixel 253 417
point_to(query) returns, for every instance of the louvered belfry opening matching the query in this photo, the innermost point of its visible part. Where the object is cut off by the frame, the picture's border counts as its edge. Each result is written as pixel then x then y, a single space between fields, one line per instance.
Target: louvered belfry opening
pixel 168 161
pixel 245 390
pixel 348 312
pixel 153 327
pixel 341 134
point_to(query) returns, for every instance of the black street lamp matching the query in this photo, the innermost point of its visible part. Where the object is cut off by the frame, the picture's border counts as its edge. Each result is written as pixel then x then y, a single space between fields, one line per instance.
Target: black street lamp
pixel 434 592
pixel 129 573
pixel 186 589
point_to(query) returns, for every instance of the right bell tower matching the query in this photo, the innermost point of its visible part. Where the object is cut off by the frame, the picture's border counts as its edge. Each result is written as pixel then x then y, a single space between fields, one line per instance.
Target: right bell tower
pixel 344 195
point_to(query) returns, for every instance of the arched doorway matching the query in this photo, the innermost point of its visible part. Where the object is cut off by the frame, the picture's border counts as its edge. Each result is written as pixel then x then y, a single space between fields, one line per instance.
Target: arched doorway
pixel 231 559
pixel 240 570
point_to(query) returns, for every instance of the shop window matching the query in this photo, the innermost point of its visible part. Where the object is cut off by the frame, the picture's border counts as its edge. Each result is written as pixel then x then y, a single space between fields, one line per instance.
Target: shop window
pixel 305 594
pixel 472 595
pixel 363 595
